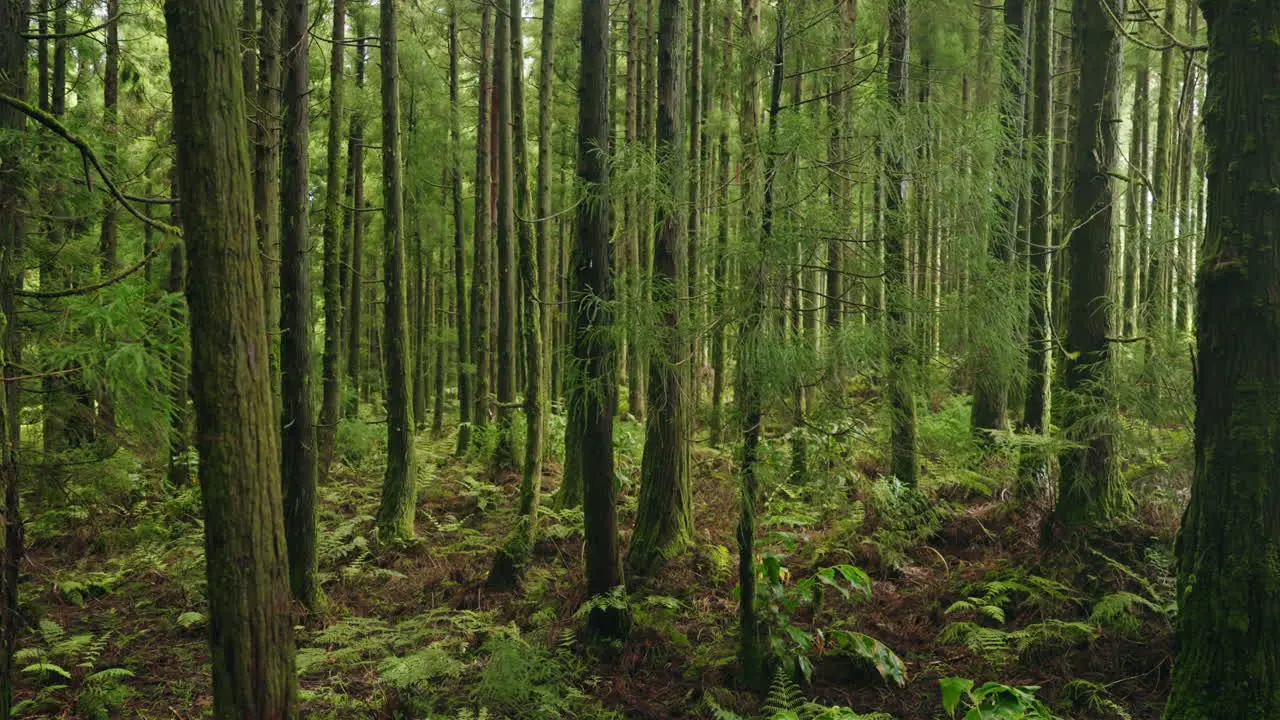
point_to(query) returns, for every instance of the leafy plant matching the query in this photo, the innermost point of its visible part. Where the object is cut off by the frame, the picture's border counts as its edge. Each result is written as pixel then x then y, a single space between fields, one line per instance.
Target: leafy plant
pixel 992 701
pixel 66 668
pixel 780 601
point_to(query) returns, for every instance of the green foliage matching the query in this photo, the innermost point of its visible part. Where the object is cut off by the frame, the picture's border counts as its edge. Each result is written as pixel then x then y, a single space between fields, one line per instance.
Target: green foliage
pixel 992 701
pixel 780 601
pixel 1093 698
pixel 66 668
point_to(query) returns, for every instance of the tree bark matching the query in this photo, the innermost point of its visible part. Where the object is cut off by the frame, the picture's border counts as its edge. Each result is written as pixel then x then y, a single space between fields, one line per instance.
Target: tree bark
pixel 1228 609
pixel 664 519
pixel 298 436
pixel 331 396
pixel 250 630
pixel 266 175
pixel 355 301
pixel 399 487
pixel 1090 488
pixel 902 352
pixel 465 375
pixel 480 269
pixel 593 388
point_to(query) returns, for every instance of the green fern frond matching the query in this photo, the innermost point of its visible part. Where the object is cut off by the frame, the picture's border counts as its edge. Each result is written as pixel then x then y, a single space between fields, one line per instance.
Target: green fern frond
pixel 784 695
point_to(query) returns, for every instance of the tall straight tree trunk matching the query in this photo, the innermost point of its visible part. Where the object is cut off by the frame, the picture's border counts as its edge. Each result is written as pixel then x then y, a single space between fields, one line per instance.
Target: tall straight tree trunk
pixel 465 375
pixel 697 118
pixel 13 82
pixel 755 284
pixel 248 588
pixel 178 470
pixel 996 353
pixel 266 175
pixel 1188 178
pixel 1158 286
pixel 1136 230
pixel 511 558
pixel 355 300
pixel 504 76
pixel 664 519
pixel 1228 608
pixel 542 200
pixel 1035 413
pixel 721 272
pixel 331 396
pixel 593 390
pixel 480 269
pixel 399 487
pixel 298 438
pixel 902 352
pixel 1090 487
pixel 109 239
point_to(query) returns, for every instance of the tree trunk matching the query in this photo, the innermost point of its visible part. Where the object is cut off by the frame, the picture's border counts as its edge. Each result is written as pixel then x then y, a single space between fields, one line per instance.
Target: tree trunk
pixel 721 271
pixel 266 176
pixel 105 431
pixel 248 588
pixel 755 284
pixel 1090 487
pixel 902 352
pixel 504 73
pixel 996 353
pixel 1228 609
pixel 298 438
pixel 664 519
pixel 593 391
pixel 355 299
pixel 465 375
pixel 331 396
pixel 13 82
pixel 1035 420
pixel 399 487
pixel 480 269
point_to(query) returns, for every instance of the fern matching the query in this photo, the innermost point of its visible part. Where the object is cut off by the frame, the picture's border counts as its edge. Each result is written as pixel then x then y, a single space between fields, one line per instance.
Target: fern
pixel 989 643
pixel 416 669
pixel 784 695
pixel 1094 698
pixel 1122 612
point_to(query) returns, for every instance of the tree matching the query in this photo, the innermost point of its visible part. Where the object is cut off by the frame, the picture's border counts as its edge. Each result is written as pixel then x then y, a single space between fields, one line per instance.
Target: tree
pixel 355 219
pixel 505 67
pixel 1227 605
pixel 399 488
pixel 13 82
pixel 664 520
pixel 1036 405
pixel 1090 487
pixel 465 375
pixel 481 250
pixel 902 360
pixel 298 438
pixel 592 387
pixel 330 404
pixel 267 175
pixel 995 353
pixel 250 632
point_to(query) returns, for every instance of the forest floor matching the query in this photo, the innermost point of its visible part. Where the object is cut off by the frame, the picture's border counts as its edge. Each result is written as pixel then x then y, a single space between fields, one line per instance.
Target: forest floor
pixel 113 590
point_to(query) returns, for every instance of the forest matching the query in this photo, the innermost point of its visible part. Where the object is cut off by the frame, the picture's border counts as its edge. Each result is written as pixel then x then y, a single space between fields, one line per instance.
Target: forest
pixel 726 359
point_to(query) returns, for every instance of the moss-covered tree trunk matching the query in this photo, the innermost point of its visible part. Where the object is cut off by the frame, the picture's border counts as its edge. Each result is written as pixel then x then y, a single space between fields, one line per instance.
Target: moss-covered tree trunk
pixel 720 272
pixel 462 319
pixel 298 436
pixel 399 487
pixel 591 388
pixel 238 439
pixel 481 251
pixel 13 82
pixel 1035 413
pixel 355 295
pixel 664 520
pixel 266 173
pixel 1228 594
pixel 504 71
pixel 1090 487
pixel 109 239
pixel 748 394
pixel 996 352
pixel 510 559
pixel 331 371
pixel 902 352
